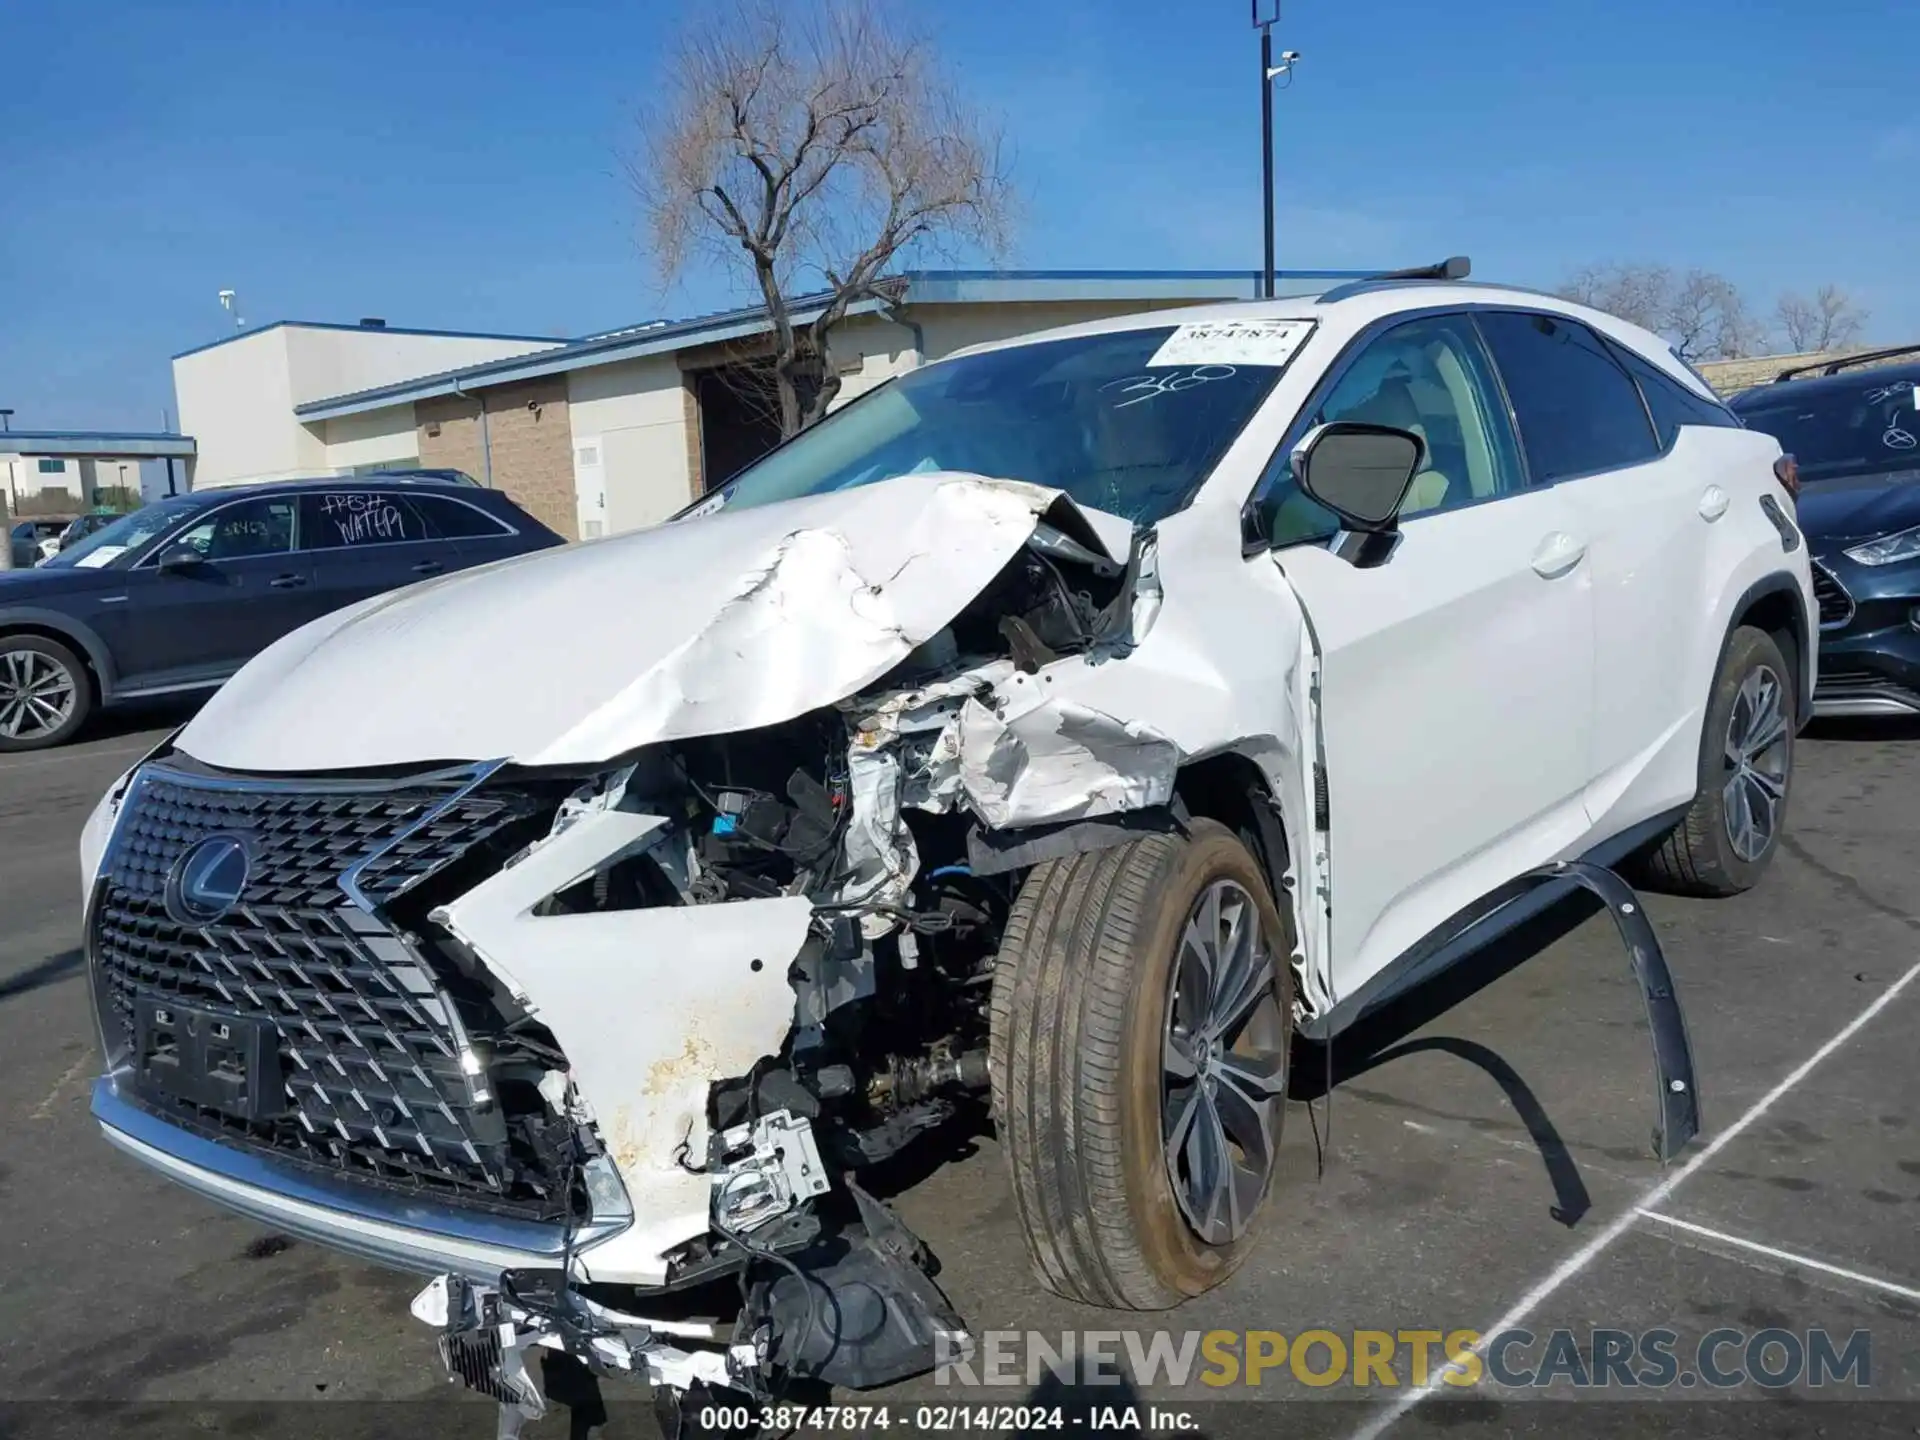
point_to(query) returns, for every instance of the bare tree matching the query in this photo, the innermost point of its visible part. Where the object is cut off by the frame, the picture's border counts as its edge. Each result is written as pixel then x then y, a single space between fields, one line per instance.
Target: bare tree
pixel 816 146
pixel 1636 293
pixel 1702 315
pixel 1829 321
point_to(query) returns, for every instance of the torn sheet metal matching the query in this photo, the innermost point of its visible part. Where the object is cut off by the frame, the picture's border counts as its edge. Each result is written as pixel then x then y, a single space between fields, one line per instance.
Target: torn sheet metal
pixel 1054 759
pixel 742 619
pixel 651 1007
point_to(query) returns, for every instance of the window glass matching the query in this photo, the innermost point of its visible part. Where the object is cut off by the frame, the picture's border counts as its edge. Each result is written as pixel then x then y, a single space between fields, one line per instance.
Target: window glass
pixel 1122 421
pixel 1431 377
pixel 1578 410
pixel 1862 424
pixel 234 532
pixel 53 467
pixel 1672 403
pixel 450 520
pixel 355 519
pixel 128 532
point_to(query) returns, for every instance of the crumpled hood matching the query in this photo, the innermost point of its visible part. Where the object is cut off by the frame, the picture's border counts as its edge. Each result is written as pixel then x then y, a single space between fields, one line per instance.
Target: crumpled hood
pixel 701 627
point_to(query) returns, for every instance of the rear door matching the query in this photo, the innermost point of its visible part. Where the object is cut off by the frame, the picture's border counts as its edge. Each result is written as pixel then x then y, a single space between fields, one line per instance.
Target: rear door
pixel 1648 500
pixel 1456 676
pixel 367 542
pixel 475 536
pixel 199 625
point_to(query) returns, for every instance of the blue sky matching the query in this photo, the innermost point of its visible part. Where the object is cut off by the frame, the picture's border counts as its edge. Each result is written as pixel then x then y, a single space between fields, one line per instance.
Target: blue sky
pixel 457 165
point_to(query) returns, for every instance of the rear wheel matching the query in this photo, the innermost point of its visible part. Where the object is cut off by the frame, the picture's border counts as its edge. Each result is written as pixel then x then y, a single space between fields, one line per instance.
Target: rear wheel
pixel 45 695
pixel 1142 1017
pixel 1733 827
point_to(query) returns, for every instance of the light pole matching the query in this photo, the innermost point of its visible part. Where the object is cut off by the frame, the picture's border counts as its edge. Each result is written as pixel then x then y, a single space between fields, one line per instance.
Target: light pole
pixel 1266 14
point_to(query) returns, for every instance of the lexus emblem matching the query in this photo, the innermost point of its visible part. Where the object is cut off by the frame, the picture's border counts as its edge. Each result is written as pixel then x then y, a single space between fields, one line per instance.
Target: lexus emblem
pixel 208 880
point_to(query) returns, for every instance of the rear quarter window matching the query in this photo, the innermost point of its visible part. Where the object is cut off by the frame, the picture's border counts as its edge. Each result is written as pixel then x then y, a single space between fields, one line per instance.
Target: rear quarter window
pixel 1578 410
pixel 1669 402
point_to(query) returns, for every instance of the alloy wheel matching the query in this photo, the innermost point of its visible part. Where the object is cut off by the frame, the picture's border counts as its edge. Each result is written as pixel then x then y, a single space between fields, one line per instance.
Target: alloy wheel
pixel 1759 741
pixel 1224 1065
pixel 37 695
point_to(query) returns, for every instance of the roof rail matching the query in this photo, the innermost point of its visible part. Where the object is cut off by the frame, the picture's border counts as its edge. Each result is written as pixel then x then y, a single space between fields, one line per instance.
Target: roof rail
pixel 1455 267
pixel 1834 367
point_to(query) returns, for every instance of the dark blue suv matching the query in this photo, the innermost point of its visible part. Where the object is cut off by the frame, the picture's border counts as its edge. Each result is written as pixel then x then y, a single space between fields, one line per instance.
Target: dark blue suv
pixel 177 596
pixel 1853 429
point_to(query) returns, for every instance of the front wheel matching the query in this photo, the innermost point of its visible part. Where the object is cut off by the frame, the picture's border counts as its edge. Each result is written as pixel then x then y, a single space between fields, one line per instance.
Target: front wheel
pixel 1733 827
pixel 45 695
pixel 1142 1016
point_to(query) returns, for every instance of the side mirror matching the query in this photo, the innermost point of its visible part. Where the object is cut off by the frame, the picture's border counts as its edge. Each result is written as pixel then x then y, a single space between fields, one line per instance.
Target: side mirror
pixel 1359 472
pixel 178 559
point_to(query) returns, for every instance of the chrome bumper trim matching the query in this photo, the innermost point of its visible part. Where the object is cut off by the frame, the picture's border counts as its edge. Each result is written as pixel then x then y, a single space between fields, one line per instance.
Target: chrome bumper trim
pixel 381 1226
pixel 1842 707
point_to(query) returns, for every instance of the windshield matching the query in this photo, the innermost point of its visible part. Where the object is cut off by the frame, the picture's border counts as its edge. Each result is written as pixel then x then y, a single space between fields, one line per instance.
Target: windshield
pixel 1129 422
pixel 1865 427
pixel 126 534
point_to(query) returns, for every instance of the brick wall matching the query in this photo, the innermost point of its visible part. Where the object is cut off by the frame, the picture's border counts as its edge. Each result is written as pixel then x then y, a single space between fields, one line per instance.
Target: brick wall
pixel 530 439
pixel 449 432
pixel 1732 376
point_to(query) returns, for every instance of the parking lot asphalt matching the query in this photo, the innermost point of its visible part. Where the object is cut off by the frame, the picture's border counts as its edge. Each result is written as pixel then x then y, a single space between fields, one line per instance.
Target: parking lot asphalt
pixel 1485 1166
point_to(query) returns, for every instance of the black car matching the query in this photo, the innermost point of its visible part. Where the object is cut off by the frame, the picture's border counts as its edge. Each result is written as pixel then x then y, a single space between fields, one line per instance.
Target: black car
pixel 177 596
pixel 1854 433
pixel 82 526
pixel 26 537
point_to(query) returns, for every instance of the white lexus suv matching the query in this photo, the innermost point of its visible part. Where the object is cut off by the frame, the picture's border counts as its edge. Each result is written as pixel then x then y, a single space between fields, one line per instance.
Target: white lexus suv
pixel 1050 735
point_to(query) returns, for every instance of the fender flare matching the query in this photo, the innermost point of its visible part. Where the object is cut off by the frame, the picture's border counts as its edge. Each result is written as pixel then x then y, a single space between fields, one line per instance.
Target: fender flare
pixel 1806 637
pixel 92 649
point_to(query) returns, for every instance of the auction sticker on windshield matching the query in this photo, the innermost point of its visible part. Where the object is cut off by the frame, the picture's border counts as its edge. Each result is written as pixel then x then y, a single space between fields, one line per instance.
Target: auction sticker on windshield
pixel 1233 342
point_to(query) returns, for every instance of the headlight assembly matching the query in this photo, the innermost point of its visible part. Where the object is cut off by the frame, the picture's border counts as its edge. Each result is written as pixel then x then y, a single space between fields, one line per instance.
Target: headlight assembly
pixel 1901 545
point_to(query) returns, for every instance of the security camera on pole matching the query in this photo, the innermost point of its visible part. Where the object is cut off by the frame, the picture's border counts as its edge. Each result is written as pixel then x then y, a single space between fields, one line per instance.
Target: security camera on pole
pixel 1266 14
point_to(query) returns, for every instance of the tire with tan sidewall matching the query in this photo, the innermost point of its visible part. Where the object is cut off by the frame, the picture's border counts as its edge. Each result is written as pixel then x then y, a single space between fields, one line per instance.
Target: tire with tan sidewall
pixel 1080 998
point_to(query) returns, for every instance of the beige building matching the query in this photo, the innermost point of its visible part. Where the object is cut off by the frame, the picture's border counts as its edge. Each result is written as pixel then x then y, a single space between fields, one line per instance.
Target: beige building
pixel 617 430
pixel 66 472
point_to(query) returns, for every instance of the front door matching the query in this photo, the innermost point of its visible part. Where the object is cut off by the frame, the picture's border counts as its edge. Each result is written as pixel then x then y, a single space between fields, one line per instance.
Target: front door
pixel 201 623
pixel 1456 677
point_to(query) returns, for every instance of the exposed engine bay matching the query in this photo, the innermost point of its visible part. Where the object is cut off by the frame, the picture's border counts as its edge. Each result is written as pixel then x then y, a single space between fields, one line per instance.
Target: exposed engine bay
pixel 857 831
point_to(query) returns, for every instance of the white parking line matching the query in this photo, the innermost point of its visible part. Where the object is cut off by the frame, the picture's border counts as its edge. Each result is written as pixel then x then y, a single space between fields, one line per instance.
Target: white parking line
pixel 1786 1257
pixel 41 760
pixel 1591 1251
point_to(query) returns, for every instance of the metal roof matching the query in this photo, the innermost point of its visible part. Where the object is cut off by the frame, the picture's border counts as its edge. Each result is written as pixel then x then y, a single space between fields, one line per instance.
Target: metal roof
pixel 253 330
pixel 923 287
pixel 97 444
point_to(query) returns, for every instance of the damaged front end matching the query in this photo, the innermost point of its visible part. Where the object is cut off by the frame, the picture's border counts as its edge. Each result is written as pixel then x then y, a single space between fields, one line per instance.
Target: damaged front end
pixel 606 1045
pixel 767 957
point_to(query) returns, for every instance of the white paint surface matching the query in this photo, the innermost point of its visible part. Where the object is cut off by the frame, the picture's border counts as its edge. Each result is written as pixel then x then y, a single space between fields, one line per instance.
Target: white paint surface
pixel 694 994
pixel 740 619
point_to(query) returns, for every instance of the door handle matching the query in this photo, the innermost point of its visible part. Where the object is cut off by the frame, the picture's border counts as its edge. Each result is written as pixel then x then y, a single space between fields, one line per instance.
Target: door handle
pixel 1557 554
pixel 428 567
pixel 287 582
pixel 1713 503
